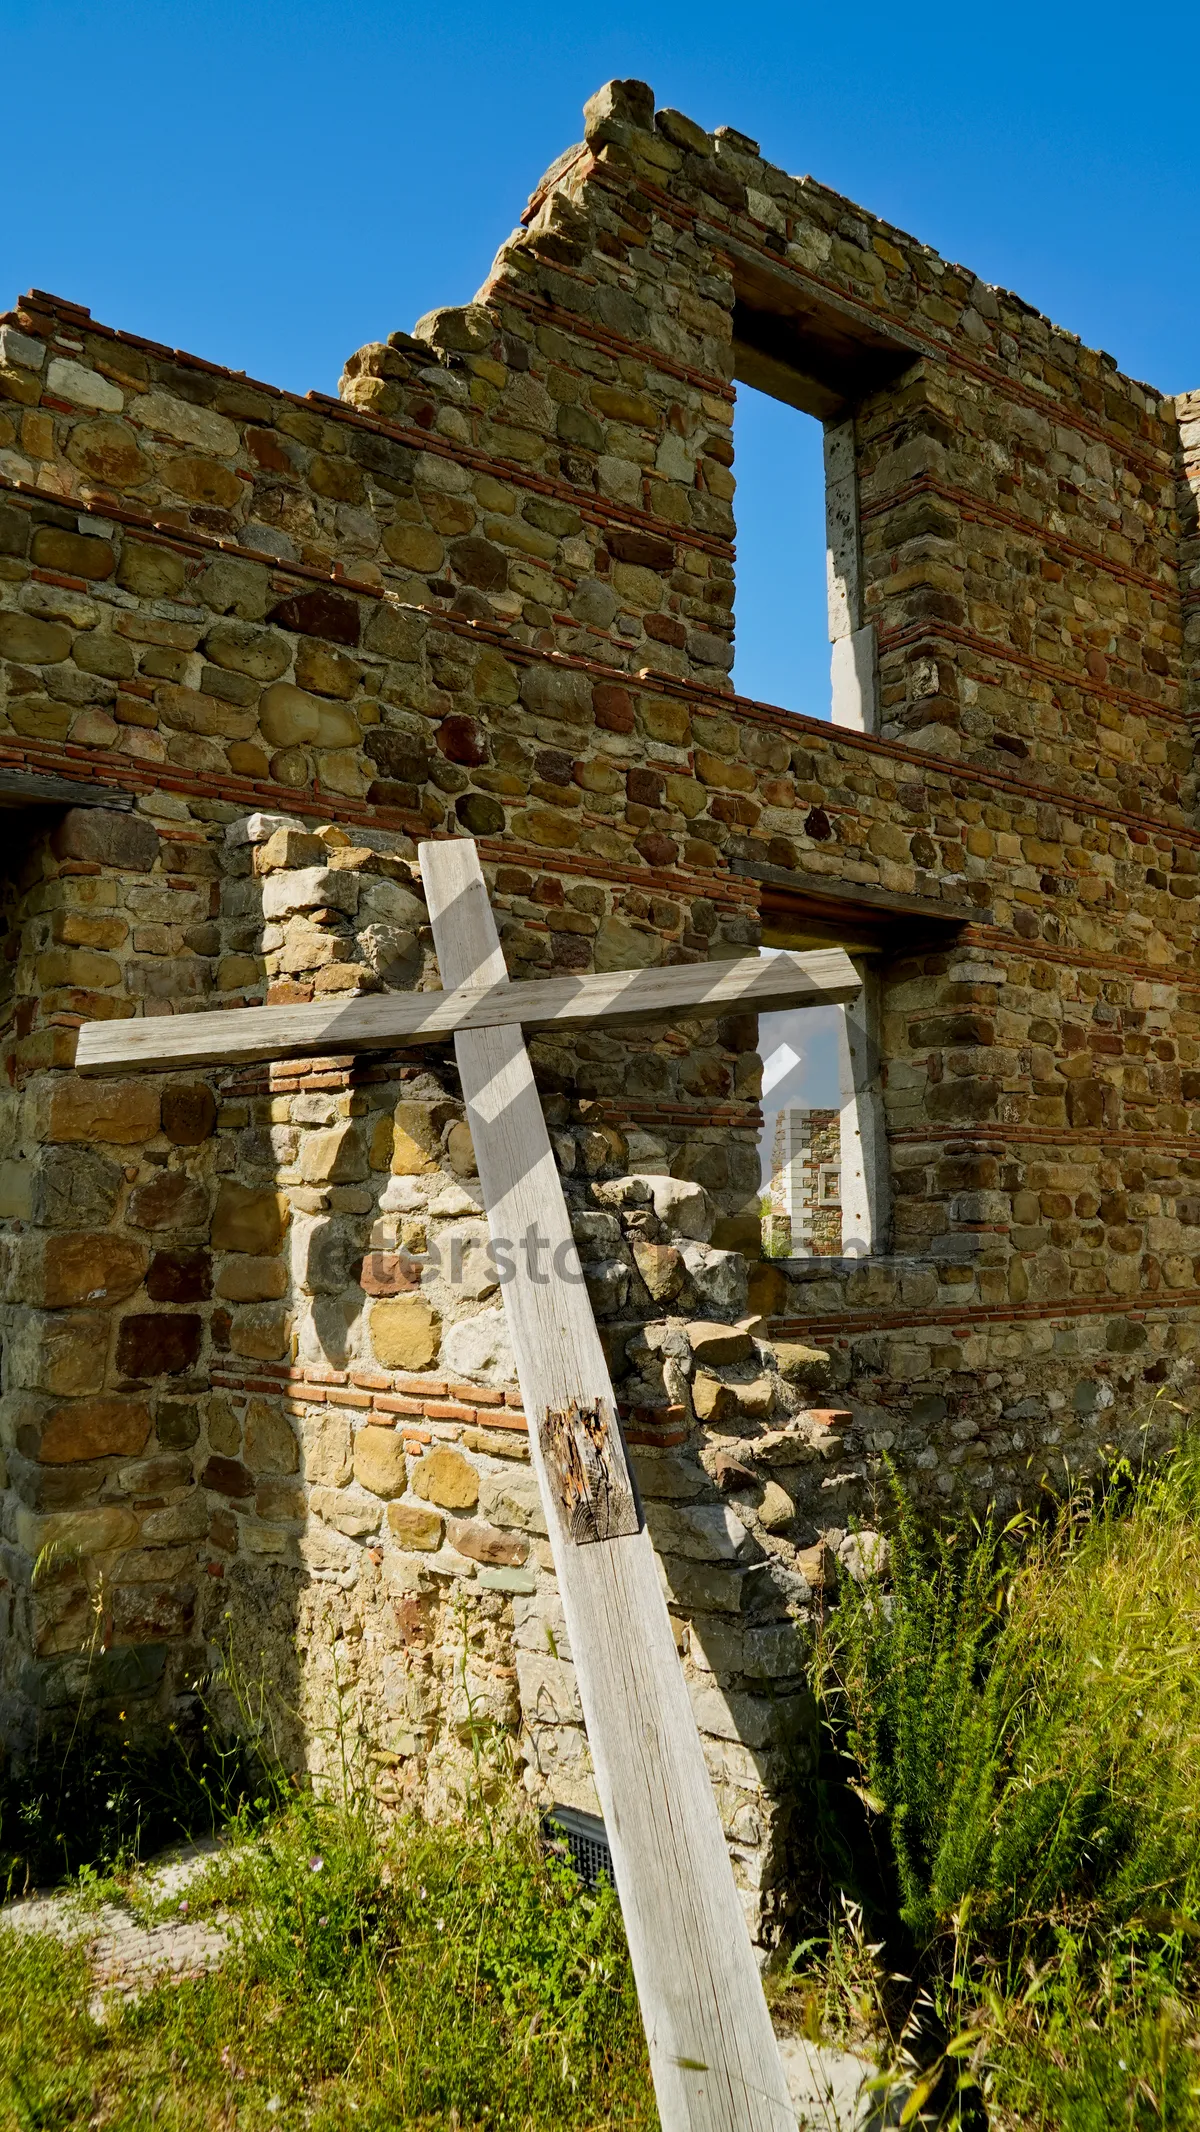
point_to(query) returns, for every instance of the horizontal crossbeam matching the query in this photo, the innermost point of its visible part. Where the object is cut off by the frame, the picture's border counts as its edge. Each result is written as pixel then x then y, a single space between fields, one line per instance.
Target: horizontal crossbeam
pixel 748 984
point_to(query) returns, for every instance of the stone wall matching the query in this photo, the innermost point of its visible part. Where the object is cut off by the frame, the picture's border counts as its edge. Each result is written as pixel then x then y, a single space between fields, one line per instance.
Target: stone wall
pixel 490 590
pixel 805 1180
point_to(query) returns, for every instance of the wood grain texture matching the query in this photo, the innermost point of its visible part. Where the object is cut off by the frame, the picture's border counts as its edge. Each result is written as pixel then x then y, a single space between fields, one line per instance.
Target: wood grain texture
pixel 34 788
pixel 586 1464
pixel 385 1021
pixel 712 2050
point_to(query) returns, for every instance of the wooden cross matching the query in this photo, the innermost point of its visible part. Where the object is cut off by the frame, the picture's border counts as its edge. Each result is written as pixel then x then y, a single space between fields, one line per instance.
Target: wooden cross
pixel 712 2049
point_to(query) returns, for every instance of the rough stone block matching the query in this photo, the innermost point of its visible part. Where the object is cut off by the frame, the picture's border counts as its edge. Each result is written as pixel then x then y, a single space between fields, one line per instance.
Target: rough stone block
pixel 270 1444
pixel 77 1532
pixel 183 1276
pixel 260 1335
pixel 388 1273
pixel 446 1478
pixel 227 1476
pixel 287 895
pixel 719 1277
pixel 415 1527
pixel 482 1543
pixel 404 1333
pixel 106 838
pixel 253 1280
pixel 169 1200
pixel 158 1343
pixel 89 1269
pixel 120 1113
pixel 416 1145
pixel 176 1424
pixel 713 1400
pixel 288 849
pixel 379 1461
pixel 683 1207
pixel 58 1351
pixel 95 1428
pixel 513 1500
pixel 249 1218
pixel 328 1458
pixel 347 1513
pixel 515 1583
pixel 718 1344
pixel 661 1268
pixel 189 1113
pixel 334 1157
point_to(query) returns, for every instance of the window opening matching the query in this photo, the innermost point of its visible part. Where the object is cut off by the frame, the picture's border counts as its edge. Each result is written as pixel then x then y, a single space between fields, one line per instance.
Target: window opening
pixel 822 1152
pixel 801 635
pixel 781 652
pixel 800 1144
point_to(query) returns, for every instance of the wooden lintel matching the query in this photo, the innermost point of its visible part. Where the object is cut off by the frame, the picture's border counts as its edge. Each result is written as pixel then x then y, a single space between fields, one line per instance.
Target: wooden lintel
pixel 38 788
pixel 861 899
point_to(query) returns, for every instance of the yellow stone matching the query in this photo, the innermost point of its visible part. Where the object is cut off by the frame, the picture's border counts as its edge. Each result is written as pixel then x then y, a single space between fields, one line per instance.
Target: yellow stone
pixel 253 1280
pixel 415 1145
pixel 414 547
pixel 76 1532
pixel 379 1461
pixel 90 1269
pixel 404 1333
pixel 415 1526
pixel 95 1428
pixel 288 716
pixel 379 1154
pixel 77 966
pixel 333 1157
pixel 120 1112
pixel 249 1218
pixel 446 1478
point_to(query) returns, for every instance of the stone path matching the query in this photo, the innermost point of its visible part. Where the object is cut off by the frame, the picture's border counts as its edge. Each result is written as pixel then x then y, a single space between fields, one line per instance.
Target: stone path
pixel 125 1956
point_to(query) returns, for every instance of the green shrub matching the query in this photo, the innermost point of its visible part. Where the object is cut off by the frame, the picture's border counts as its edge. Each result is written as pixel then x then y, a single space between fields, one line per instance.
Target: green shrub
pixel 1028 1726
pixel 1020 1712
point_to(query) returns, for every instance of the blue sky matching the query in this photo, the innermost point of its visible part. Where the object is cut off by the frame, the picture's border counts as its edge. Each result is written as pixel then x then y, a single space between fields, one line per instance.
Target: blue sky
pixel 272 186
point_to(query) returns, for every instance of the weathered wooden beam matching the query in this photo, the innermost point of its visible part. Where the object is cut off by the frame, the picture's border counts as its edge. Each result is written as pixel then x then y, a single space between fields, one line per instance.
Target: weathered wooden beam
pixel 35 788
pixel 383 1021
pixel 856 898
pixel 712 2051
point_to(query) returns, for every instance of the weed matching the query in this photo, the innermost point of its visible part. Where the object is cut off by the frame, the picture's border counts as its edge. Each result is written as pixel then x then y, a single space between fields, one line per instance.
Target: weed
pixel 99 1802
pixel 1016 1723
pixel 430 1978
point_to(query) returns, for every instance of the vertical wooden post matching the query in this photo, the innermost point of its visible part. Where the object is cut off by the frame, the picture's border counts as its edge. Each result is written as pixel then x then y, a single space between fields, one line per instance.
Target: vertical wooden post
pixel 712 2050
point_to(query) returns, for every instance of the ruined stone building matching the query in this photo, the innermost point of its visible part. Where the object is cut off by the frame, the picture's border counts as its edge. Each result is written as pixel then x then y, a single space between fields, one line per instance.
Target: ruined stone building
pixel 254 646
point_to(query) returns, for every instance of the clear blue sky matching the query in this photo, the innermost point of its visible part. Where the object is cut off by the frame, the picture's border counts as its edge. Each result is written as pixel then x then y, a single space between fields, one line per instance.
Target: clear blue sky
pixel 272 186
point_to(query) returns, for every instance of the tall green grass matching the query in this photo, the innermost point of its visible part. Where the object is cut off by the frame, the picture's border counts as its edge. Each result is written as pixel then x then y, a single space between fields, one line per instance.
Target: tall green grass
pixel 1020 1712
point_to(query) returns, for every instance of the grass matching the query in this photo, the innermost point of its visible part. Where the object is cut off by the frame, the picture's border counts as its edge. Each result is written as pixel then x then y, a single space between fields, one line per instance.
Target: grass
pixel 426 1979
pixel 1011 1786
